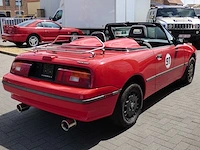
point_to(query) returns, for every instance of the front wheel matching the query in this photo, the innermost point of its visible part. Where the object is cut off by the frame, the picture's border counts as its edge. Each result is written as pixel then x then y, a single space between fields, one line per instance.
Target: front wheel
pixel 33 40
pixel 189 71
pixel 129 106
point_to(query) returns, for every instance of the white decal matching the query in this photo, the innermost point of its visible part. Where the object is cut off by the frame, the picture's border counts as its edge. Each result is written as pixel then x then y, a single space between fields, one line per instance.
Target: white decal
pixel 168 61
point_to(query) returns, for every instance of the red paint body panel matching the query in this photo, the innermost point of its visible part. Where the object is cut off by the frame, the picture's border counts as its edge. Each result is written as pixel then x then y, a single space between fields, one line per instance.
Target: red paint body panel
pixel 122 60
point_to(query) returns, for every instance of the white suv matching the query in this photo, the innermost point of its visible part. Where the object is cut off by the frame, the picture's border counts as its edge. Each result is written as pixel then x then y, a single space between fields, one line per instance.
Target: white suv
pixel 181 21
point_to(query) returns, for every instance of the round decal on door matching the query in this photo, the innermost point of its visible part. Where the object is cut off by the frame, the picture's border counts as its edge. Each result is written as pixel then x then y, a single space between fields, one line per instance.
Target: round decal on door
pixel 167 60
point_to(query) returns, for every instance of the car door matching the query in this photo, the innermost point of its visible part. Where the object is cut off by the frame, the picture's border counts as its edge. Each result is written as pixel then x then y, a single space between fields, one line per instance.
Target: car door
pixel 39 29
pixel 165 60
pixel 164 51
pixel 52 30
pixel 179 58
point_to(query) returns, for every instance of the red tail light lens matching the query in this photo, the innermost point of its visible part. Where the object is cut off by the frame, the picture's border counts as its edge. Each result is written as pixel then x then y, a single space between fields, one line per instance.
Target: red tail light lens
pixel 20 68
pixel 14 30
pixel 73 78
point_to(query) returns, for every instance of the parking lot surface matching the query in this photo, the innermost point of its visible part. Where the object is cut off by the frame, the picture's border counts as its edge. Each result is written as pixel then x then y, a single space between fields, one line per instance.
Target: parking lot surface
pixel 170 121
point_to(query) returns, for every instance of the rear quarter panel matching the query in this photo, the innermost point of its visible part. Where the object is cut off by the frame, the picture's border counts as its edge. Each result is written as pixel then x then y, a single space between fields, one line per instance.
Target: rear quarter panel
pixel 118 70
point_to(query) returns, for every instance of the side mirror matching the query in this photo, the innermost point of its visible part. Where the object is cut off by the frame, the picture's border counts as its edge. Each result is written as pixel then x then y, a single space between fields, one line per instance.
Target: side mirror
pixel 178 41
pixel 50 18
pixel 154 18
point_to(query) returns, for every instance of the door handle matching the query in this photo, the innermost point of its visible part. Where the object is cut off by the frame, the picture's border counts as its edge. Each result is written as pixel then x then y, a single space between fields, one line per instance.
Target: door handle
pixel 159 56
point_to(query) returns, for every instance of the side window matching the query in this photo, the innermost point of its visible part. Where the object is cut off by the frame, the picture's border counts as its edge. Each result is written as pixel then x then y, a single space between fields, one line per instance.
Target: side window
pixel 160 34
pixel 58 15
pixel 50 25
pixel 39 25
pixel 156 33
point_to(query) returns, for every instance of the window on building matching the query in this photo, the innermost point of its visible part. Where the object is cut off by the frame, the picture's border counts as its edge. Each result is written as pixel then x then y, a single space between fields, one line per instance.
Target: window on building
pixel 18 2
pixel 7 2
pixel 8 13
pixel 19 13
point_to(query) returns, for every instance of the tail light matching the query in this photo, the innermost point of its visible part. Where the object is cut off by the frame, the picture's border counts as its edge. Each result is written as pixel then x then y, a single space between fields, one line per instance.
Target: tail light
pixel 15 30
pixel 20 68
pixel 74 78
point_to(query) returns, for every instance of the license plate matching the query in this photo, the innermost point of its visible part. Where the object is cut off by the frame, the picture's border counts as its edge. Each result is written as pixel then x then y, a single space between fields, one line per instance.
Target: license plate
pixel 184 36
pixel 47 71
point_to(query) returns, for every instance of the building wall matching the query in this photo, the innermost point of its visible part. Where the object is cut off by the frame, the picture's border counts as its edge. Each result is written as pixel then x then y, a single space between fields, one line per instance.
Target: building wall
pixel 13 8
pixel 25 8
pixel 32 8
pixel 167 2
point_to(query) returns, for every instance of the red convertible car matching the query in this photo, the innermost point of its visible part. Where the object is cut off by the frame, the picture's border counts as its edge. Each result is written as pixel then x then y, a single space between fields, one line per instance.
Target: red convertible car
pixel 92 78
pixel 35 31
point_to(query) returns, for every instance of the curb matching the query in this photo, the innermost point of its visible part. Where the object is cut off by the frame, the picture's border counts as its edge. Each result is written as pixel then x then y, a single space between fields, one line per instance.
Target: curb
pixel 7 53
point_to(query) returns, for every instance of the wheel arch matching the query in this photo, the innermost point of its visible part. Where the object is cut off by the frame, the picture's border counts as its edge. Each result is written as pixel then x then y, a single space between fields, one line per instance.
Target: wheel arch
pixel 193 55
pixel 136 79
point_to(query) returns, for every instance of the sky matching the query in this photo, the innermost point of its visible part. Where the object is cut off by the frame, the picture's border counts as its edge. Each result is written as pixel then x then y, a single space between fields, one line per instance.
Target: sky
pixel 190 2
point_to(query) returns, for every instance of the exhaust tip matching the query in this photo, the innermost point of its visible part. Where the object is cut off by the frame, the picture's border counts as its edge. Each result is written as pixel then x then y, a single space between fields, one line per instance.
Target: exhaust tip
pixel 67 124
pixel 22 107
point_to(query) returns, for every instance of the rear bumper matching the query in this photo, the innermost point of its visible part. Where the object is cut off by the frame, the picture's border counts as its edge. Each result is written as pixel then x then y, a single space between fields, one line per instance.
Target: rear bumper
pixel 14 37
pixel 76 103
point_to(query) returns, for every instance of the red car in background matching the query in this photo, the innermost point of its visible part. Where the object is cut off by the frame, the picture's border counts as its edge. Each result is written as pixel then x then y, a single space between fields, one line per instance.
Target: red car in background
pixel 36 31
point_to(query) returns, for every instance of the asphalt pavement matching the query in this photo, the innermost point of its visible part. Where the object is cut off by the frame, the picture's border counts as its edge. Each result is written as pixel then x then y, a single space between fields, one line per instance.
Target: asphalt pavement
pixel 170 121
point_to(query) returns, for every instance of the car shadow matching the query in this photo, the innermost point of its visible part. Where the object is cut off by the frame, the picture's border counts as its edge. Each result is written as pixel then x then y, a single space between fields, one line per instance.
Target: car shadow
pixel 158 96
pixel 37 129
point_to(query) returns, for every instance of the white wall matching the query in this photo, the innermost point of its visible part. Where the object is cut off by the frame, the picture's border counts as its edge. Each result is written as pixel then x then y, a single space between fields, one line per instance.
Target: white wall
pixel 132 10
pixel 185 2
pixel 142 7
pixel 50 6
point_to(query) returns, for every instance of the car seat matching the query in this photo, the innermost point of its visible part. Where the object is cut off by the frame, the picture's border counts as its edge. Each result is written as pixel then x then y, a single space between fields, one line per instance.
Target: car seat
pixel 100 35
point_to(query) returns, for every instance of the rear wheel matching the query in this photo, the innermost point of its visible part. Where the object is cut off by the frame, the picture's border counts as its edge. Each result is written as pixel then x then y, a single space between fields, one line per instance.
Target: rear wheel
pixel 129 106
pixel 189 72
pixel 33 40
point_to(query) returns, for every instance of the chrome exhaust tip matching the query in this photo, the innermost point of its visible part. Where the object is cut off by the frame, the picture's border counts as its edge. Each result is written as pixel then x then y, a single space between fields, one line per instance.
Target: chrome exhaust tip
pixel 22 107
pixel 67 124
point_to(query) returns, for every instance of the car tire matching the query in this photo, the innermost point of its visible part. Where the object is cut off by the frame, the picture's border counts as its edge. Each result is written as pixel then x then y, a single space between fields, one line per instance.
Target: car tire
pixel 189 72
pixel 18 44
pixel 33 40
pixel 129 106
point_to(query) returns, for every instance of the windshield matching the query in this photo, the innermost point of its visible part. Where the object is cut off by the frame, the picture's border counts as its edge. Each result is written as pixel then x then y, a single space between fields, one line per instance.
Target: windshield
pixel 176 12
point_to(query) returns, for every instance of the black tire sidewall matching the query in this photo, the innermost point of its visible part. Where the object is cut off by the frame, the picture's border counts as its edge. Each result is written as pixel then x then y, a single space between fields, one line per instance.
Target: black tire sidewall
pixel 131 88
pixel 185 78
pixel 191 61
